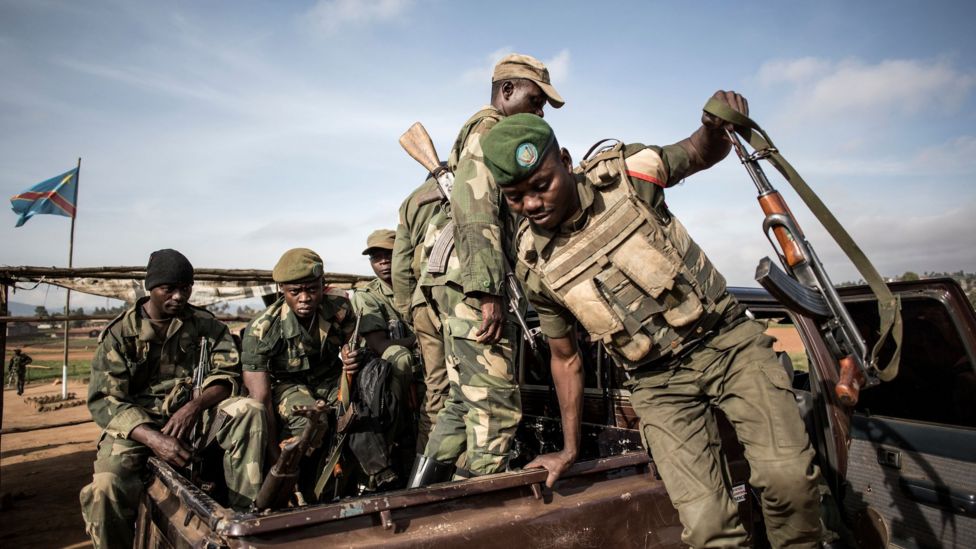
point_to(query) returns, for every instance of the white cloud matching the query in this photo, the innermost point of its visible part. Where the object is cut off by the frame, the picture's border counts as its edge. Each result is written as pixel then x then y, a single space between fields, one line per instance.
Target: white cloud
pixel 332 15
pixel 852 87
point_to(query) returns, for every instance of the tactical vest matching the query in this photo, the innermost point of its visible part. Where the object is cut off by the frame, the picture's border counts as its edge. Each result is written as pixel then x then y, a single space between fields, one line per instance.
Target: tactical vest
pixel 633 277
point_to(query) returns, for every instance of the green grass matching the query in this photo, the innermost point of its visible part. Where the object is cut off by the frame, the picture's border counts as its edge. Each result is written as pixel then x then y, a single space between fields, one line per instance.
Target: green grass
pixel 800 362
pixel 76 369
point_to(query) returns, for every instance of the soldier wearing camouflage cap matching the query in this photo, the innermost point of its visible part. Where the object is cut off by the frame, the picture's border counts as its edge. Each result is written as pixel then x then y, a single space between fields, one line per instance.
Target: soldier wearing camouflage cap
pixel 140 395
pixel 599 246
pixel 291 350
pixel 464 284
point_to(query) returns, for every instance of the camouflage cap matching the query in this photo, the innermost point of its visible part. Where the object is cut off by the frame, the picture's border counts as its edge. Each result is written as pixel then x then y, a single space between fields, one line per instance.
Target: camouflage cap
pixel 297 264
pixel 517 65
pixel 380 238
pixel 515 147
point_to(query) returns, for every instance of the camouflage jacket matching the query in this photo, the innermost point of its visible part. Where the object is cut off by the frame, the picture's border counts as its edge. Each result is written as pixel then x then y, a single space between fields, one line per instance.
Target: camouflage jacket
pixel 484 225
pixel 373 305
pixel 135 379
pixel 275 342
pixel 19 362
pixel 409 257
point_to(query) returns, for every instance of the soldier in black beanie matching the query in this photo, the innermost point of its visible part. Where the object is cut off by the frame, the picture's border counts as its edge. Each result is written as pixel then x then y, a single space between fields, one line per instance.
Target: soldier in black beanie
pixel 168 267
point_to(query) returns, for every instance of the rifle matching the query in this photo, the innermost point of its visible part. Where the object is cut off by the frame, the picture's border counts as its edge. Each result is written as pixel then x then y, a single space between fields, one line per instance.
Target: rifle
pixel 198 441
pixel 805 286
pixel 347 415
pixel 279 485
pixel 418 144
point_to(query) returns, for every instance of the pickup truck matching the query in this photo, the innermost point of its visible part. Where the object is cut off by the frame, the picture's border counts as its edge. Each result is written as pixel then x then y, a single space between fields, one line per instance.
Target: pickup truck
pixel 899 469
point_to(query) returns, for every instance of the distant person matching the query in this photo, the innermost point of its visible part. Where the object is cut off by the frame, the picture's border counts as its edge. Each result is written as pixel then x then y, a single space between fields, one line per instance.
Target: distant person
pixel 18 369
pixel 140 396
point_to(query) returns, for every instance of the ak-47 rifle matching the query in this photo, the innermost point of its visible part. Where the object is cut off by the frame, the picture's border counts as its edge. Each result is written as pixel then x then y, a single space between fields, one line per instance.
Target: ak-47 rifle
pixel 805 286
pixel 199 436
pixel 418 144
pixel 280 484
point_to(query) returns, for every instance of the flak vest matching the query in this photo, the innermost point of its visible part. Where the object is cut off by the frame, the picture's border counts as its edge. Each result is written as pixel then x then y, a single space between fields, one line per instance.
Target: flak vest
pixel 633 277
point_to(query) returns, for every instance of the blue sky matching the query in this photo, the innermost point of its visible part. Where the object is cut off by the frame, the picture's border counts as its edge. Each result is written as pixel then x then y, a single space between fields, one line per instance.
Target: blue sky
pixel 235 130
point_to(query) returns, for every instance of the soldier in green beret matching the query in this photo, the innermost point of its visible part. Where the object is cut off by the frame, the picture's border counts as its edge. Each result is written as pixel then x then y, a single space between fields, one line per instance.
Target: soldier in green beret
pixel 598 246
pixel 140 395
pixel 464 281
pixel 291 351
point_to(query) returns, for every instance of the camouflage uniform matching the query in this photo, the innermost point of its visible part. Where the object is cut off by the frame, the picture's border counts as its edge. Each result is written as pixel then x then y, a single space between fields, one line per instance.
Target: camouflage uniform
pixel 303 366
pixel 373 305
pixel 484 405
pixel 722 360
pixel 18 370
pixel 137 379
pixel 408 265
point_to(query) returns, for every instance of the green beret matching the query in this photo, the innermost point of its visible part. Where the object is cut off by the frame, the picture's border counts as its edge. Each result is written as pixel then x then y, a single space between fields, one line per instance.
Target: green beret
pixel 297 264
pixel 514 147
pixel 380 238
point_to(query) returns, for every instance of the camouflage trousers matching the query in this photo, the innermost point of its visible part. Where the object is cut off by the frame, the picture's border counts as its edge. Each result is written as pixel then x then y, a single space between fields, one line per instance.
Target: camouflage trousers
pixel 109 503
pixel 431 342
pixel 483 406
pixel 285 396
pixel 737 372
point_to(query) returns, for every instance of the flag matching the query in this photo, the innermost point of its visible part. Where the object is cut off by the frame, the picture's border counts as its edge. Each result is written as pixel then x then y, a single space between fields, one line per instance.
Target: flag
pixel 57 195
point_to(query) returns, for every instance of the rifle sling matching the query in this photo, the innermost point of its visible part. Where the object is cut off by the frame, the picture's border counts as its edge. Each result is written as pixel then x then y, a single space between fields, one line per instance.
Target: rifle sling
pixel 889 306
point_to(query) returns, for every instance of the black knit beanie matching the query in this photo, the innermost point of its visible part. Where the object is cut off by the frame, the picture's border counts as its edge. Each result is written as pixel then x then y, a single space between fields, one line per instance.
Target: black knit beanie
pixel 168 267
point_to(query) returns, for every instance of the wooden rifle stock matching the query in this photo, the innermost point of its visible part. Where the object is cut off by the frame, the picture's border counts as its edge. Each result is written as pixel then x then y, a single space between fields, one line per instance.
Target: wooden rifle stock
pixel 849 382
pixel 280 483
pixel 418 144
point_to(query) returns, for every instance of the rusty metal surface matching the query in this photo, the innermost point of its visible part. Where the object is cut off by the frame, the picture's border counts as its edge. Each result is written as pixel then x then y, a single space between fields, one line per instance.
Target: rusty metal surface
pixel 622 508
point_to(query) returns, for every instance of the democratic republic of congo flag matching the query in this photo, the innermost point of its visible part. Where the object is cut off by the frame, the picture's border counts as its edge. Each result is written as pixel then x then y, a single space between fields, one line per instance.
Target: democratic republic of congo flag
pixel 57 195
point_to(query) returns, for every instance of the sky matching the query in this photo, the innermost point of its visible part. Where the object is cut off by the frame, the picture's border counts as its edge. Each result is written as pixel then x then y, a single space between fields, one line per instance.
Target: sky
pixel 235 130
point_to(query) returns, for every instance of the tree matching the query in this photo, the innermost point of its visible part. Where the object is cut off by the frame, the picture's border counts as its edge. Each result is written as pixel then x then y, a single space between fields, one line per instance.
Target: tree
pixel 41 311
pixel 909 275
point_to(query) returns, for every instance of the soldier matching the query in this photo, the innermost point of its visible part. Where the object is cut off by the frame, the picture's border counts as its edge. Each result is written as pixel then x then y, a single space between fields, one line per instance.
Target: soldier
pixel 140 396
pixel 599 246
pixel 408 264
pixel 379 321
pixel 18 369
pixel 291 350
pixel 465 287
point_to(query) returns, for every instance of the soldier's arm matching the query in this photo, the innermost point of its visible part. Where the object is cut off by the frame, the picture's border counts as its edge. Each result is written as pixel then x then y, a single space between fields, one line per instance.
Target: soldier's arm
pixel 708 145
pixel 475 204
pixel 401 268
pixel 111 406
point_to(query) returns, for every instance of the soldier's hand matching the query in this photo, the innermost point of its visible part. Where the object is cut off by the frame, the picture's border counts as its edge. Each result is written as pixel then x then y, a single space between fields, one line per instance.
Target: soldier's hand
pixel 350 360
pixel 730 98
pixel 180 424
pixel 556 463
pixel 492 319
pixel 169 449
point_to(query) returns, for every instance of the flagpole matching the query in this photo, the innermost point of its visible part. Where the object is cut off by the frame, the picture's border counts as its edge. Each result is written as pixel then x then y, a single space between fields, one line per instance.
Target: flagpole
pixel 67 299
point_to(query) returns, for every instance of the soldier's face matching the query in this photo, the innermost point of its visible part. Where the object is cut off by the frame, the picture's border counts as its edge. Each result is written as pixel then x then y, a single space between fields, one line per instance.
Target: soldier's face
pixel 303 298
pixel 523 96
pixel 548 197
pixel 170 299
pixel 381 261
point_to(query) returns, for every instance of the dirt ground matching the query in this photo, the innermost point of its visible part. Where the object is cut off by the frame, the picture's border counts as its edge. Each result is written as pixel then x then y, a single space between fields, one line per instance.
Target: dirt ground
pixel 43 470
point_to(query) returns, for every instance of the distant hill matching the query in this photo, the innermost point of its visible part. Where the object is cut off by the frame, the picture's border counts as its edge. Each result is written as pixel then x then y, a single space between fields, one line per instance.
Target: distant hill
pixel 966 280
pixel 20 309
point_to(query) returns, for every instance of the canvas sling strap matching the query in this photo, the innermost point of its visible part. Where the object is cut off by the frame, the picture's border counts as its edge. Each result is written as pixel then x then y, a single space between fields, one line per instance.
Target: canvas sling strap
pixel 888 305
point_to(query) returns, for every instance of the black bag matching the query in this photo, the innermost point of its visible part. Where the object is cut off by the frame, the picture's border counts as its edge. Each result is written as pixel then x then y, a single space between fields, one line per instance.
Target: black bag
pixel 376 411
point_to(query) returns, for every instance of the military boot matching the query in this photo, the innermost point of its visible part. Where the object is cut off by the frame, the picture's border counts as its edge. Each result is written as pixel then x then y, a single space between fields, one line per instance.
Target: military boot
pixel 428 471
